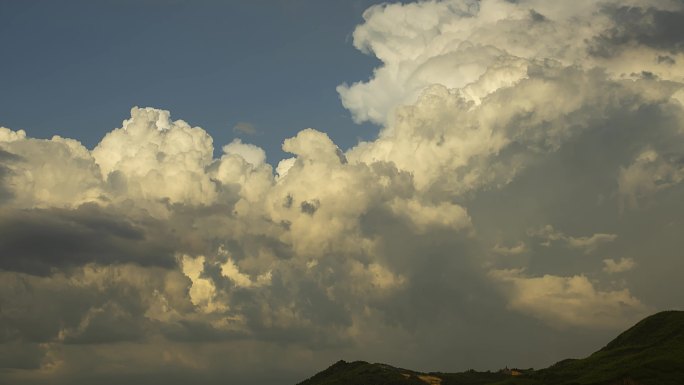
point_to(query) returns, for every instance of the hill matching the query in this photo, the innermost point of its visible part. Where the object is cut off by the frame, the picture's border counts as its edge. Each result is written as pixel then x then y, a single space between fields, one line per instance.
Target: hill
pixel 649 353
pixel 360 372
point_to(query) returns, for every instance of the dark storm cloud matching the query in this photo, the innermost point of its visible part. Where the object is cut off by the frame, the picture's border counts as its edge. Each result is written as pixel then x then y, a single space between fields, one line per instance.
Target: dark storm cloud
pixel 21 356
pixel 118 319
pixel 37 240
pixel 651 27
pixel 101 306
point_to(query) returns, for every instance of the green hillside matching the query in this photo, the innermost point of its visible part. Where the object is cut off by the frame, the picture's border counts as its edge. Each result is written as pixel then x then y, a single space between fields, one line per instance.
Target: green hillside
pixel 649 353
pixel 361 373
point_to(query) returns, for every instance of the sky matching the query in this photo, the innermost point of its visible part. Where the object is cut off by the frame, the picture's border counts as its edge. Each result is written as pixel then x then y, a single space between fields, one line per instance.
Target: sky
pixel 247 192
pixel 270 64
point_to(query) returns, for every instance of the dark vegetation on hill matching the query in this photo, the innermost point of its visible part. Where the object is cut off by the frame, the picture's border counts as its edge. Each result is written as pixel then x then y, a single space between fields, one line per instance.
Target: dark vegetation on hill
pixel 649 353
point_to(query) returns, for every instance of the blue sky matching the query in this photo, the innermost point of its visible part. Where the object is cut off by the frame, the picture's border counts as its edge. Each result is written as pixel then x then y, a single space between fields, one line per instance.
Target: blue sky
pixel 274 64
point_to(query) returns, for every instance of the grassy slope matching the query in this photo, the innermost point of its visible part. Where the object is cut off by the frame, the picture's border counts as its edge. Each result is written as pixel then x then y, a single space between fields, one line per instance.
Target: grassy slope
pixel 649 353
pixel 363 373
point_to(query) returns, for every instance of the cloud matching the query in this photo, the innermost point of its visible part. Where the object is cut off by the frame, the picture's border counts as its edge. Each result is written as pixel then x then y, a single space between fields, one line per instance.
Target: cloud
pixel 93 304
pixel 513 250
pixel 5 173
pixel 250 153
pixel 587 244
pixel 245 128
pixel 7 135
pixel 21 356
pixel 568 301
pixel 622 265
pixel 39 240
pixel 650 27
pixel 648 174
pixel 423 216
pixel 153 157
pixel 49 173
pixel 202 290
pixel 464 45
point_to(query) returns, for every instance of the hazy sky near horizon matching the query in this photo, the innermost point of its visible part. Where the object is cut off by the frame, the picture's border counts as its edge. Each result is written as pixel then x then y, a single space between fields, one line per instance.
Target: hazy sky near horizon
pixel 247 192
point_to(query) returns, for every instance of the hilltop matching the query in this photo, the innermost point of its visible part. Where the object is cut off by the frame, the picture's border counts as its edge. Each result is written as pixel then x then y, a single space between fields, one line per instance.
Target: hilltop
pixel 649 353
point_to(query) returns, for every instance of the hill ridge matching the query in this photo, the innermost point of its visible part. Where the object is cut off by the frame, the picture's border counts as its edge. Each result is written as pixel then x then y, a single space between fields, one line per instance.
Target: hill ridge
pixel 651 352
